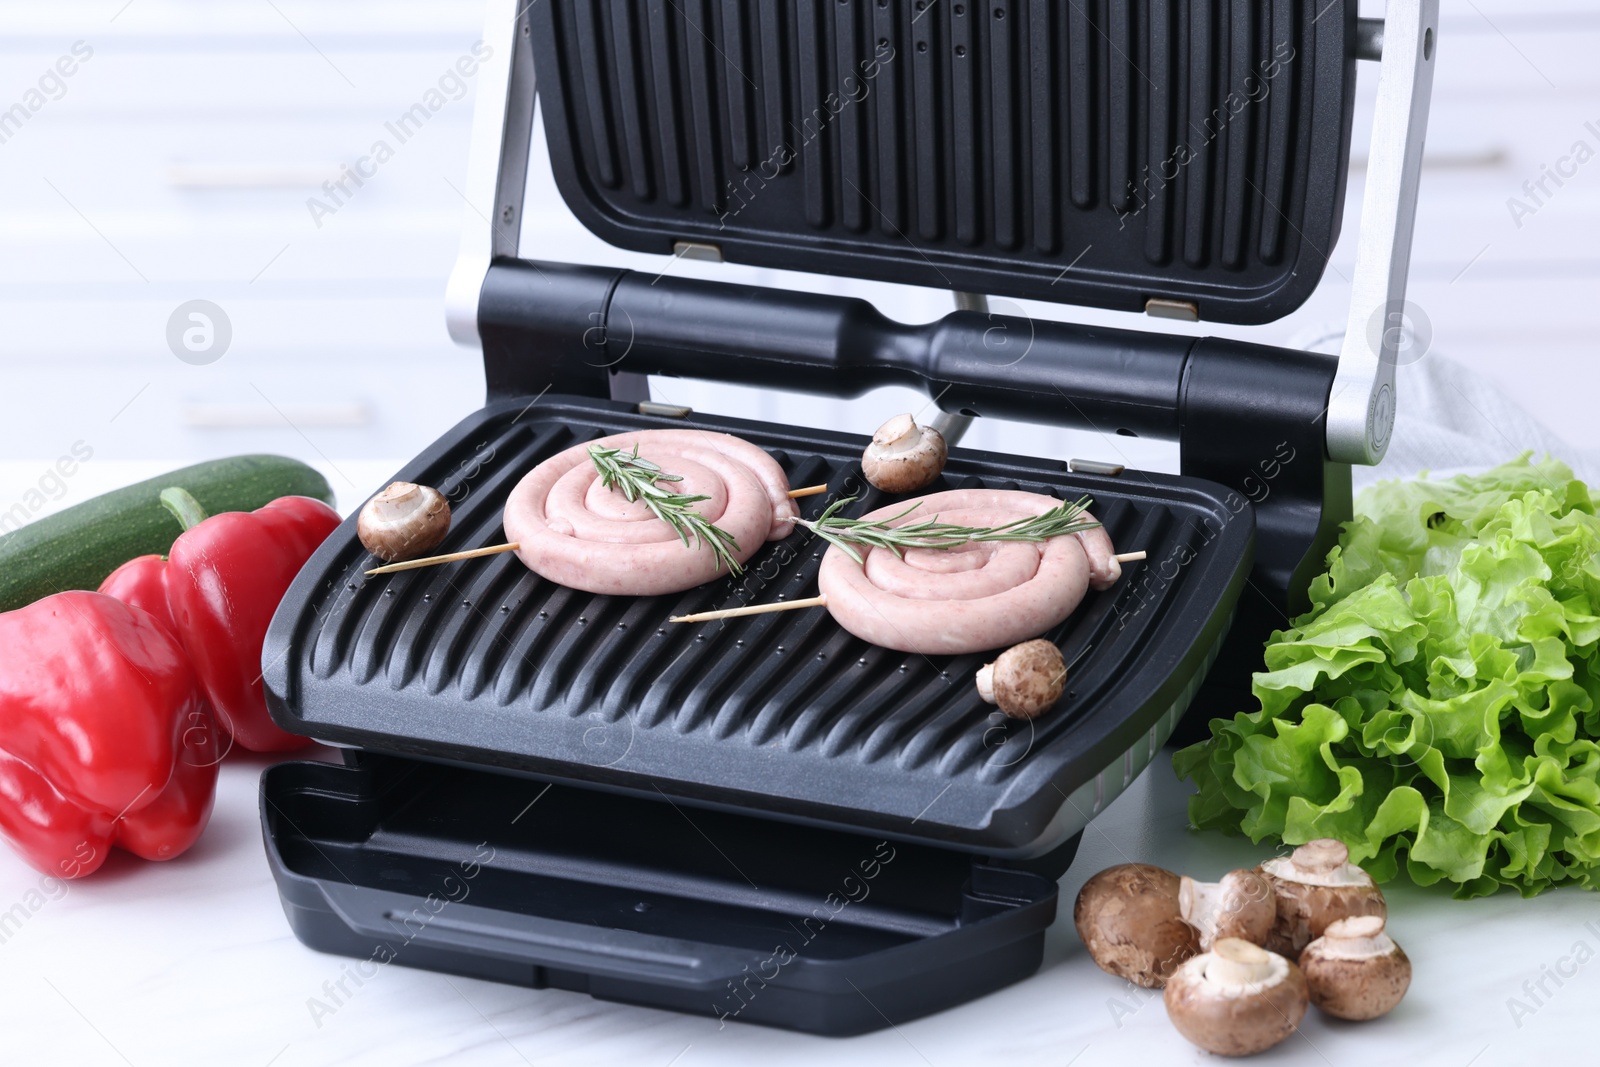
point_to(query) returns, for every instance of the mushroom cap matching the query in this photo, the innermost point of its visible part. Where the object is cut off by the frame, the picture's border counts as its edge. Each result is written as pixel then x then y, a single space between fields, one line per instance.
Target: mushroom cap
pixel 1242 905
pixel 1355 970
pixel 1127 916
pixel 403 521
pixel 1026 679
pixel 1315 886
pixel 903 456
pixel 1236 1000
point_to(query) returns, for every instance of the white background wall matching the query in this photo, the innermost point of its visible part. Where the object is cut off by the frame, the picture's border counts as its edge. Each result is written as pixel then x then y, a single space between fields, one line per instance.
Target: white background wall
pixel 178 159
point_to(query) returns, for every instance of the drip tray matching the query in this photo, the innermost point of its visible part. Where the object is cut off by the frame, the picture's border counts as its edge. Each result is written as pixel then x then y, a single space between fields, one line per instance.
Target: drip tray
pixel 495 877
pixel 484 664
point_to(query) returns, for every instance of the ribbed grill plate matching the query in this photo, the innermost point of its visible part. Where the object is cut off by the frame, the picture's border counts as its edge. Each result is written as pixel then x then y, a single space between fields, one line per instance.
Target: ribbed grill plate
pixel 1093 152
pixel 485 663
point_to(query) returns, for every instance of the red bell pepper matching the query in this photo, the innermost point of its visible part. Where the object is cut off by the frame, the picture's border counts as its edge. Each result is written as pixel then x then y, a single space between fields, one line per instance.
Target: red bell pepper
pixel 104 735
pixel 218 589
pixel 142 582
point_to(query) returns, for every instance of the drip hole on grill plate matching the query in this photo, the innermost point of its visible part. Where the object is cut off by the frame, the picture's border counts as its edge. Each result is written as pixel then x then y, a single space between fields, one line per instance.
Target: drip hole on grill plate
pixel 1125 432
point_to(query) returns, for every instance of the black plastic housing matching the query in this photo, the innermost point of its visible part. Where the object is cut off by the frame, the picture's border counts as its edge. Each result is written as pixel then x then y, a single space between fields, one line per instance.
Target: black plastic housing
pixel 1097 152
pixel 393 861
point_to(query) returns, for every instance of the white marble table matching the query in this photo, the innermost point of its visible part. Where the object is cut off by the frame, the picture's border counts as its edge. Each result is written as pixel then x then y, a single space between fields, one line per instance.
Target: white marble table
pixel 192 962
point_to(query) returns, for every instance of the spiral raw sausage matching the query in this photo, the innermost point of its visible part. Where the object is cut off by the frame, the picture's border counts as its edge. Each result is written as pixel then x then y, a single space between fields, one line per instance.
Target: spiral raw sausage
pixel 574 531
pixel 982 595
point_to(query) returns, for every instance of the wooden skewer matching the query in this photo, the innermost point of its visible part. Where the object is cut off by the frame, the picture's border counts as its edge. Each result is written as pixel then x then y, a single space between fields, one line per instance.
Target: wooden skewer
pixel 753 609
pixel 492 550
pixel 810 490
pixel 449 557
pixel 812 602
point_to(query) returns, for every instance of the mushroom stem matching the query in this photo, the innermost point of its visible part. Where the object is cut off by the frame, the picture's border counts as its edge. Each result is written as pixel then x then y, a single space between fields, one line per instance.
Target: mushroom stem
pixel 985 682
pixel 397 501
pixel 899 434
pixel 1356 938
pixel 1240 964
pixel 1322 856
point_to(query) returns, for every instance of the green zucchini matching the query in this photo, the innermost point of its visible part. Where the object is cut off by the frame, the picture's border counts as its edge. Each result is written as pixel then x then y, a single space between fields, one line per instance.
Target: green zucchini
pixel 77 547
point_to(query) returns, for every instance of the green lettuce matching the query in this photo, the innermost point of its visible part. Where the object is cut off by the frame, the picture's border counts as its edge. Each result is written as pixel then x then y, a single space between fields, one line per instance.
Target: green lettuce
pixel 1438 709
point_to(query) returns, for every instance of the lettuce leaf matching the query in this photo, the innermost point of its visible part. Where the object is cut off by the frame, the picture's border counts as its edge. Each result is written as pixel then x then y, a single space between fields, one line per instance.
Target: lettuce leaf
pixel 1438 709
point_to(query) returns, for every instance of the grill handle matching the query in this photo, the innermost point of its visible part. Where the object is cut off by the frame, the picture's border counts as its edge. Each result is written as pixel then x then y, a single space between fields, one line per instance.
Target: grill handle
pixel 401 920
pixel 567 328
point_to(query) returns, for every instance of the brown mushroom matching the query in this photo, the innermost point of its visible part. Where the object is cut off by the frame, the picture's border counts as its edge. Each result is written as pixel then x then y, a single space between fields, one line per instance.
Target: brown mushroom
pixel 1236 1000
pixel 1355 970
pixel 1315 886
pixel 1025 680
pixel 403 521
pixel 1127 916
pixel 1241 905
pixel 904 457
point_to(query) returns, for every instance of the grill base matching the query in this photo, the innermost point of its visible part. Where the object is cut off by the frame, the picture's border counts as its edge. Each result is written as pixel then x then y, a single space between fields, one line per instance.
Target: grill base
pixel 490 877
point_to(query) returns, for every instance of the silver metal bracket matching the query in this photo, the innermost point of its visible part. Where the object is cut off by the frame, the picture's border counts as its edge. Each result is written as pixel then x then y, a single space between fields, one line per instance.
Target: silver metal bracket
pixel 1361 405
pixel 952 426
pixel 501 123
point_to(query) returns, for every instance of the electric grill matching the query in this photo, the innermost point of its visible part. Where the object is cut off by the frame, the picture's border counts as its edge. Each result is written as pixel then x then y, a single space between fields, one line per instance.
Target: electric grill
pixel 768 819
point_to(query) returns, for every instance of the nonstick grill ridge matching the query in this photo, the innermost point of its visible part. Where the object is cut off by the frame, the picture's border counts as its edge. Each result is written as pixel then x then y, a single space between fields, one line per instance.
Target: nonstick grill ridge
pixel 487 664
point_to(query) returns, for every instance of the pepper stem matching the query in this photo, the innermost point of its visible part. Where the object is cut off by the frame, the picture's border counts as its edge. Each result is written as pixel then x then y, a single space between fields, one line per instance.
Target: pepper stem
pixel 184 507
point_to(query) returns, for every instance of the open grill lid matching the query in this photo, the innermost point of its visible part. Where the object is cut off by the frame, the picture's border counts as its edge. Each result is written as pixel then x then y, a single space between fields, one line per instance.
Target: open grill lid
pixel 1101 154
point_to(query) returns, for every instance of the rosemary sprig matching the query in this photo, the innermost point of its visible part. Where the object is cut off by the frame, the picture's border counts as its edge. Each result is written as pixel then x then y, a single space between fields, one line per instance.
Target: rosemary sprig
pixel 636 479
pixel 931 533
